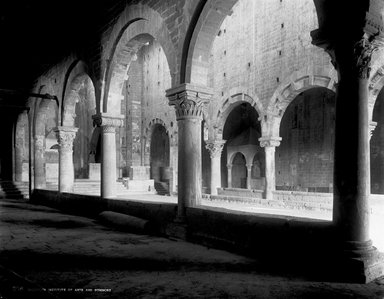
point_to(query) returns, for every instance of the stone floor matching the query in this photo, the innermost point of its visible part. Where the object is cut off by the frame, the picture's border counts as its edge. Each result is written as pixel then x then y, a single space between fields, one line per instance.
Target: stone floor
pixel 76 257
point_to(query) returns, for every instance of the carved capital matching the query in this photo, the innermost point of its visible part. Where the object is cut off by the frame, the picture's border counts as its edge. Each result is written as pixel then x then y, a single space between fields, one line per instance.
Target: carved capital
pixel 363 50
pixel 65 137
pixel 269 141
pixel 372 127
pixel 108 123
pixel 215 147
pixel 188 100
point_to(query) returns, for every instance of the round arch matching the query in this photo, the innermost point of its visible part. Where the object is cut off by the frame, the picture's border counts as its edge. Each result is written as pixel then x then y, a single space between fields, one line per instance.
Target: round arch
pixel 297 83
pixel 76 77
pixel 134 28
pixel 204 26
pixel 237 98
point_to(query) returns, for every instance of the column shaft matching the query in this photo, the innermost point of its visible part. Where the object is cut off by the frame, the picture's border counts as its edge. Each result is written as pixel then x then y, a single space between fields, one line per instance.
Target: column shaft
pixel 189 102
pixel 65 136
pixel 108 162
pixel 39 175
pixel 189 164
pixel 249 175
pixel 215 147
pixel 229 167
pixel 270 144
pixel 108 156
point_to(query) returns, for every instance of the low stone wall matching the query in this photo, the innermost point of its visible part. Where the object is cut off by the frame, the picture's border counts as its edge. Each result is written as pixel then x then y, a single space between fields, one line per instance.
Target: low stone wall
pixel 253 193
pixel 304 200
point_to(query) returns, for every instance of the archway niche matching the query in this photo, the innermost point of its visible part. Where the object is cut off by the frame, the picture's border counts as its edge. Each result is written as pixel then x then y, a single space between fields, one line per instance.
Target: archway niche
pixel 304 159
pixel 159 159
pixel 242 131
pixel 377 146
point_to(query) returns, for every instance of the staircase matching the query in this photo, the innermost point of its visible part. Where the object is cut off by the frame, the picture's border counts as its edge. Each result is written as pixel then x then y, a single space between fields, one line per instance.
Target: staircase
pixel 162 188
pixel 14 190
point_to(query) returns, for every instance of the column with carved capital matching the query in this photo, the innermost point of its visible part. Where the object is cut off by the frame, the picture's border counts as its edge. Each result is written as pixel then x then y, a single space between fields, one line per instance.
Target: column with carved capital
pixel 270 144
pixel 188 101
pixel 108 125
pixel 249 176
pixel 65 137
pixel 215 147
pixel 351 56
pixel 39 168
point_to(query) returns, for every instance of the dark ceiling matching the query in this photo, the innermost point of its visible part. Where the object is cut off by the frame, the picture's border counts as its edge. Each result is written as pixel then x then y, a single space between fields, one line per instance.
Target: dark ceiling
pixel 35 34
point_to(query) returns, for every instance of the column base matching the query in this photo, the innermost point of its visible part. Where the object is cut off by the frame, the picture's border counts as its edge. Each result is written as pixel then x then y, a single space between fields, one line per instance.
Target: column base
pixel 358 262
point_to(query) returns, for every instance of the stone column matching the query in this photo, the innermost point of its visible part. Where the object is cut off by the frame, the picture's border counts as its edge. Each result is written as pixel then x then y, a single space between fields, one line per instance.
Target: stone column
pixel 351 56
pixel 188 101
pixel 108 126
pixel 249 174
pixel 39 176
pixel 65 137
pixel 215 147
pixel 270 144
pixel 229 167
pixel 19 154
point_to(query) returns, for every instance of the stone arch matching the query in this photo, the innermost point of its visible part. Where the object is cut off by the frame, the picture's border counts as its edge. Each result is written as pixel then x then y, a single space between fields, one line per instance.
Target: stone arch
pixel 376 84
pixel 236 98
pixel 76 77
pixel 135 27
pixel 287 92
pixel 204 26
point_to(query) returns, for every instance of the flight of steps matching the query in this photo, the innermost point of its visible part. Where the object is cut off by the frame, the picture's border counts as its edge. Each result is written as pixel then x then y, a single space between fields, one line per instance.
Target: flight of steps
pixel 14 190
pixel 162 188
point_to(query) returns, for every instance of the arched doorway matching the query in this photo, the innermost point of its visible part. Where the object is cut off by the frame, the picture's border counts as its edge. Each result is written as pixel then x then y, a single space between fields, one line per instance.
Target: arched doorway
pixel 304 160
pixel 159 159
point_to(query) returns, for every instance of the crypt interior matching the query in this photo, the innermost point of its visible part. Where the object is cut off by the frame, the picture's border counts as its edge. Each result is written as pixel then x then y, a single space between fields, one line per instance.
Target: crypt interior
pixel 256 126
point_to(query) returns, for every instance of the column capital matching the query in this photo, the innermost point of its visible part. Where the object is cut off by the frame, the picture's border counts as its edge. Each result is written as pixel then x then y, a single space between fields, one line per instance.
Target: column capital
pixel 229 166
pixel 372 127
pixel 65 137
pixel 215 147
pixel 359 47
pixel 105 120
pixel 189 100
pixel 269 141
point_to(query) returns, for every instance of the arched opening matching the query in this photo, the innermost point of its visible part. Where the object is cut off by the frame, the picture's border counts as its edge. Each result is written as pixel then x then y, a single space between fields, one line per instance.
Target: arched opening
pixel 242 131
pixel 139 76
pixel 239 171
pixel 159 159
pixel 258 170
pixel 304 160
pixel 84 108
pixel 377 147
